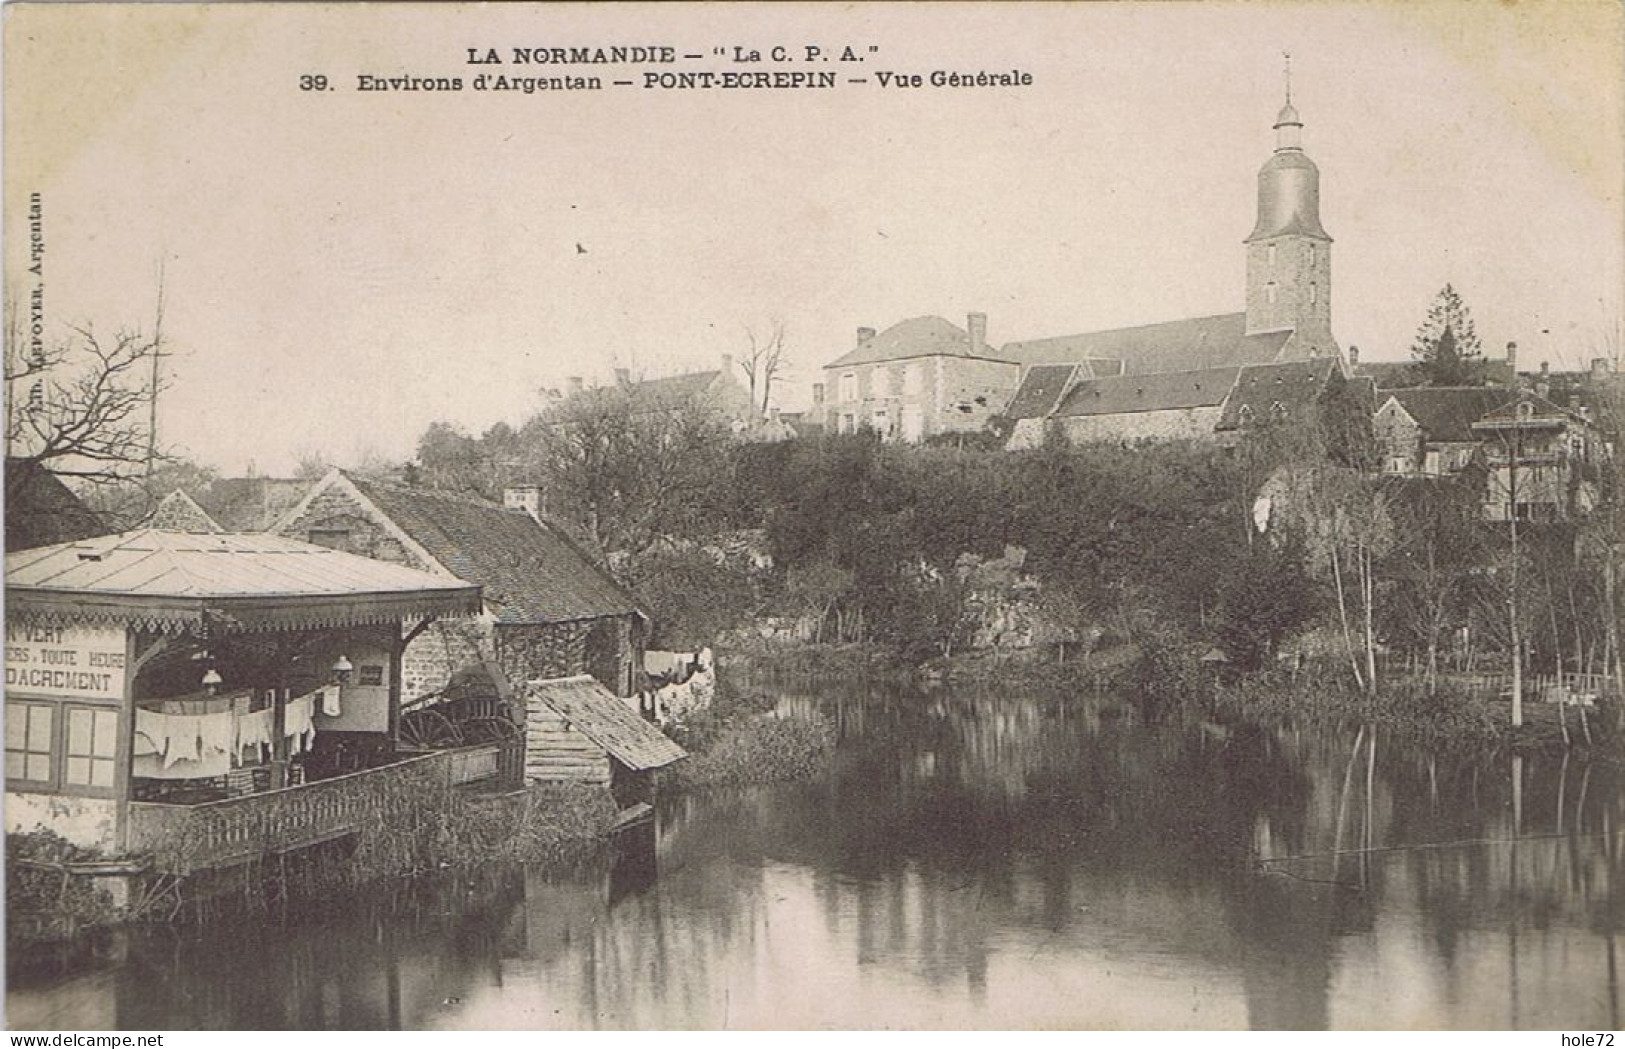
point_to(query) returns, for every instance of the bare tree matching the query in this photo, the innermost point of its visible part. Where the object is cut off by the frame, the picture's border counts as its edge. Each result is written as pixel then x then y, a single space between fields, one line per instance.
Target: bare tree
pixel 763 362
pixel 626 469
pixel 79 407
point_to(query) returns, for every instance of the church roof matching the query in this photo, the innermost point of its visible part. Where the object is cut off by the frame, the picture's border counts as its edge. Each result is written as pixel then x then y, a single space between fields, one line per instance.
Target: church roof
pixel 1171 346
pixel 1259 388
pixel 929 336
pixel 1203 388
pixel 1041 390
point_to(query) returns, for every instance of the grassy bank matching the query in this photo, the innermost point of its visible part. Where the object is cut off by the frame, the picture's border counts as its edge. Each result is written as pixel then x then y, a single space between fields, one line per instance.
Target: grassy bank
pixel 740 740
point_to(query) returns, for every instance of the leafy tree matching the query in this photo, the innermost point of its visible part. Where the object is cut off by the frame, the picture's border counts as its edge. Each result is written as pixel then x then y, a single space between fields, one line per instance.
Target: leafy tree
pixel 1264 597
pixel 1446 350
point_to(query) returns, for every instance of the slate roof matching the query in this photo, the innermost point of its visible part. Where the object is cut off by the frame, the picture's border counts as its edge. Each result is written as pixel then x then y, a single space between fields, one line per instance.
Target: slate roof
pixel 1446 413
pixel 1545 412
pixel 168 579
pixel 916 337
pixel 1388 375
pixel 1259 387
pixel 1205 388
pixel 596 713
pixel 1172 346
pixel 1400 375
pixel 676 388
pixel 529 571
pixel 41 510
pixel 1041 390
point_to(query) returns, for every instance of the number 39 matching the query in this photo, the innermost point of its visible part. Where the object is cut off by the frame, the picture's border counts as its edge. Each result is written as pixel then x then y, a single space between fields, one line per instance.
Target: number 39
pixel 313 83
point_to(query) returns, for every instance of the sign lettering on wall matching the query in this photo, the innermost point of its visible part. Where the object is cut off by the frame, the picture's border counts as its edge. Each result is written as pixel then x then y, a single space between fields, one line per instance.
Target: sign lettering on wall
pixel 74 662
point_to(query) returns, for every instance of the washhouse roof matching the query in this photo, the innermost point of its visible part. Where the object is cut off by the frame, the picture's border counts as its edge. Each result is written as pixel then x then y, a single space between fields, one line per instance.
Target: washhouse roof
pixel 598 714
pixel 182 581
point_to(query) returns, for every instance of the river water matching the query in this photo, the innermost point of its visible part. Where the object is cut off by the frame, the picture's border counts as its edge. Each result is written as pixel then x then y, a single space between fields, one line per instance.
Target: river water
pixel 974 861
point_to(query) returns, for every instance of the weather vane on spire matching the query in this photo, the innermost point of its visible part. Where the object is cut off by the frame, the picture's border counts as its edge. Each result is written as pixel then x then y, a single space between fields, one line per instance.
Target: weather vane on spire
pixel 1288 56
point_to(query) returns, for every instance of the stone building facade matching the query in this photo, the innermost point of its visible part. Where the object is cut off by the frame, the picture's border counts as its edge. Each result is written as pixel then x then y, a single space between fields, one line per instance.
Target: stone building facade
pixel 921 377
pixel 549 610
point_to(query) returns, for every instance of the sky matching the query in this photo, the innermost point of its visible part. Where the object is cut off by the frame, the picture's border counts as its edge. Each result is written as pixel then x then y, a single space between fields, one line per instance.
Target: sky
pixel 341 268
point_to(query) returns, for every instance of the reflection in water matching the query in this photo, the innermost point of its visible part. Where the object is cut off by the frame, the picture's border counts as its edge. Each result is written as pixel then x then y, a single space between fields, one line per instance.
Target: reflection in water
pixel 976 861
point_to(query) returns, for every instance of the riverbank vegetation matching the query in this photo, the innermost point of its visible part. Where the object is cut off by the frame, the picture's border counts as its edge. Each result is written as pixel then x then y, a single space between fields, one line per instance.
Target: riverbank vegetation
pixel 741 739
pixel 1286 551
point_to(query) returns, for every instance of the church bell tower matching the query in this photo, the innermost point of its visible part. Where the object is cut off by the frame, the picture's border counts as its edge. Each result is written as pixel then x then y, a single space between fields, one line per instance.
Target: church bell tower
pixel 1289 266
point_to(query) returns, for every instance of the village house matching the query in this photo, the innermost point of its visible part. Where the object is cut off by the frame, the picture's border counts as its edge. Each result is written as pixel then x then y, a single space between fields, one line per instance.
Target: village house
pixel 549 610
pixel 717 392
pixel 1428 431
pixel 1543 461
pixel 194 701
pixel 921 377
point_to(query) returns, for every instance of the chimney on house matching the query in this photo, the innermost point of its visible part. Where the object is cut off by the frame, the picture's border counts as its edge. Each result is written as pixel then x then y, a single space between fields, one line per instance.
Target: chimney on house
pixel 976 325
pixel 864 335
pixel 1601 367
pixel 818 393
pixel 1512 359
pixel 1354 356
pixel 727 364
pixel 577 384
pixel 1545 367
pixel 623 376
pixel 526 497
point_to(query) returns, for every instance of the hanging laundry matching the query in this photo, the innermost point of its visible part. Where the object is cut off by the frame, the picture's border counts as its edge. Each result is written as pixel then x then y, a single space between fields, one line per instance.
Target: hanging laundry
pixel 330 701
pixel 254 730
pixel 151 733
pixel 181 737
pixel 297 724
pixel 216 733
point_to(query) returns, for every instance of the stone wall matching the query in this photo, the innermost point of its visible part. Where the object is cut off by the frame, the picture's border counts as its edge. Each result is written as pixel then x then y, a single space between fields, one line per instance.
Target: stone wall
pixel 1398 436
pixel 444 647
pixel 1172 424
pixel 335 519
pixel 526 652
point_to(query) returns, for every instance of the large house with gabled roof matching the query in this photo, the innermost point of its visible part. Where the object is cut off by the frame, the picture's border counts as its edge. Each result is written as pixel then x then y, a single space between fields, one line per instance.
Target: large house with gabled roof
pixel 921 377
pixel 550 610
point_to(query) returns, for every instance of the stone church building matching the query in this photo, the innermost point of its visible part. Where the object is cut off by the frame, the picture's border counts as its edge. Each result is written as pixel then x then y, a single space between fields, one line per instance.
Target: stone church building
pixel 1171 379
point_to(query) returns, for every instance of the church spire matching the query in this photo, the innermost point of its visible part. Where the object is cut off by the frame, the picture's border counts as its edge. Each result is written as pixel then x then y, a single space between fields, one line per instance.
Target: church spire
pixel 1288 251
pixel 1288 128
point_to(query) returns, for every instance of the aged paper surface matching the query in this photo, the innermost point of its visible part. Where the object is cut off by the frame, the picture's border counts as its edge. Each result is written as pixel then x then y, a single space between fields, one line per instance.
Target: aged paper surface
pixel 431 234
pixel 361 220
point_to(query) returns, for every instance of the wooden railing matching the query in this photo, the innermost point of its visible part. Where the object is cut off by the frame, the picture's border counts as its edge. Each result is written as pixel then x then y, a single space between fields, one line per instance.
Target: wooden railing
pixel 186 838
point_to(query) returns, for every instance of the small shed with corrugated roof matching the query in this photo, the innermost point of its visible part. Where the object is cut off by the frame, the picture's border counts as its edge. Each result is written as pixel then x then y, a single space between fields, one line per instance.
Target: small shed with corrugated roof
pixel 577 731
